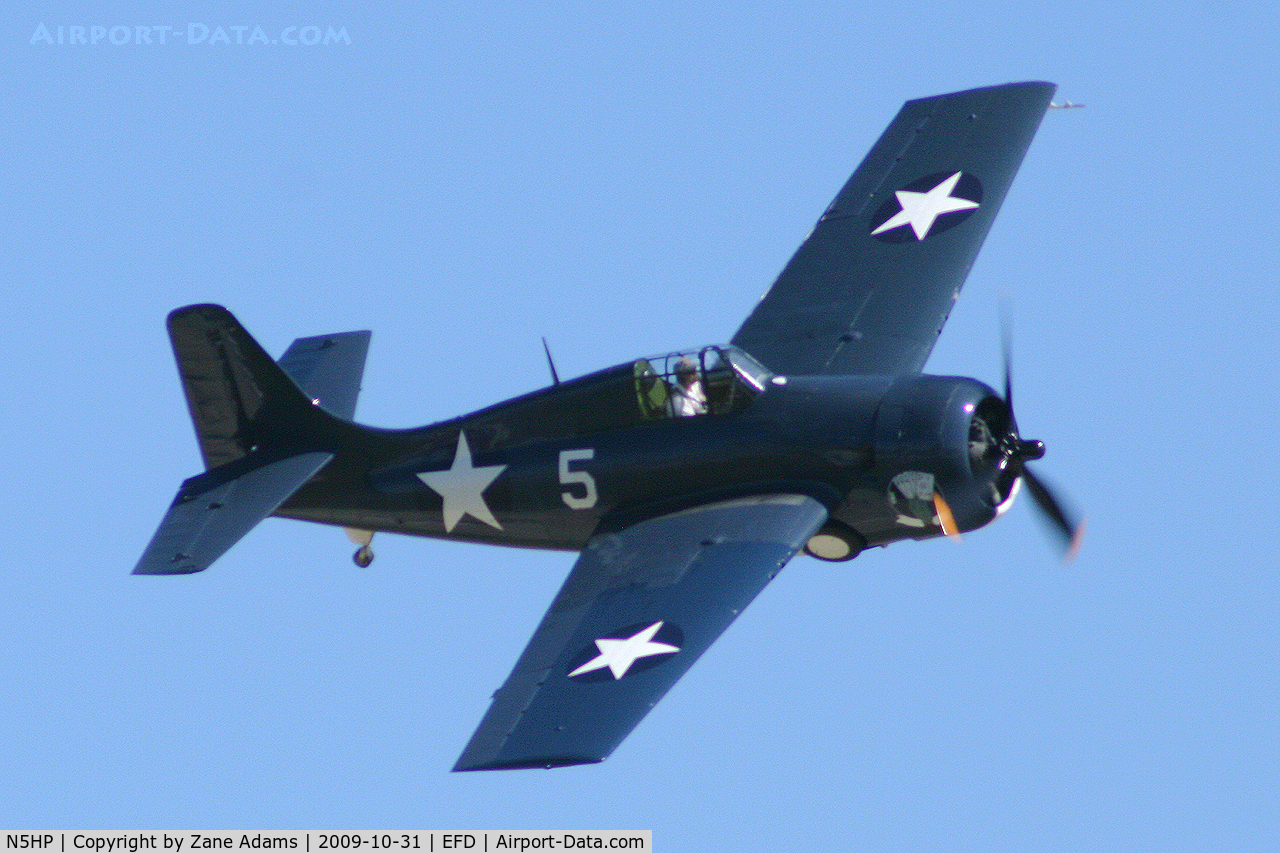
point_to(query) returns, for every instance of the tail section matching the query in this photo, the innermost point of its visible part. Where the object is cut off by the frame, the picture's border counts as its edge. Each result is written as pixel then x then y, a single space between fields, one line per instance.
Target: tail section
pixel 240 398
pixel 264 429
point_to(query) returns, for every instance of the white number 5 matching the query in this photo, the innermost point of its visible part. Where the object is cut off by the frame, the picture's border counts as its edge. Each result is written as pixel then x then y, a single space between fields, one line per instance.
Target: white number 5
pixel 577 478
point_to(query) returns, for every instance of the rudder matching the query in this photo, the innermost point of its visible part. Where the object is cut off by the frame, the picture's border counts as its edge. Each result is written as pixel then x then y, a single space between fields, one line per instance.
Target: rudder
pixel 235 391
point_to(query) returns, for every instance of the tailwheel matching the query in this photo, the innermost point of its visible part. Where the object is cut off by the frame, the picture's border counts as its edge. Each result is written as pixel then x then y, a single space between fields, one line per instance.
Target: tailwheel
pixel 363 556
pixel 835 543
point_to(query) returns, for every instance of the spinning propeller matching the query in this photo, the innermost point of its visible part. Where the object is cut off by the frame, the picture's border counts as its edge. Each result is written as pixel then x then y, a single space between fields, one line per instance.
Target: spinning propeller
pixel 996 445
pixel 1018 452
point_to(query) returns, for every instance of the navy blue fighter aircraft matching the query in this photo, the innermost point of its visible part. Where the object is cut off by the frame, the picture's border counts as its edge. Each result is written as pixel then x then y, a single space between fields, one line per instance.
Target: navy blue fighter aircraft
pixel 686 481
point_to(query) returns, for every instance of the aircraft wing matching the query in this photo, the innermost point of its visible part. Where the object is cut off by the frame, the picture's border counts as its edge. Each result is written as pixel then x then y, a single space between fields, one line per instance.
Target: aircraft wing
pixel 639 607
pixel 870 288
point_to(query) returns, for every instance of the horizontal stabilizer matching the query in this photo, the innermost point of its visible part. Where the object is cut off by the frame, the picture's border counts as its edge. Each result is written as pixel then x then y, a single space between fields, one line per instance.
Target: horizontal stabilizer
pixel 214 510
pixel 328 368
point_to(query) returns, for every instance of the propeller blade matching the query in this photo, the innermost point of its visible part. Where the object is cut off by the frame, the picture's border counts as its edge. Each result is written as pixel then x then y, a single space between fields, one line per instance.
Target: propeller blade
pixel 1006 344
pixel 946 520
pixel 1020 451
pixel 1070 531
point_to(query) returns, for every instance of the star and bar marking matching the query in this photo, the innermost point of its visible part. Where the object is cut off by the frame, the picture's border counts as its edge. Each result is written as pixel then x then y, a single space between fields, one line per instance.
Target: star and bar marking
pixel 619 654
pixel 462 487
pixel 921 210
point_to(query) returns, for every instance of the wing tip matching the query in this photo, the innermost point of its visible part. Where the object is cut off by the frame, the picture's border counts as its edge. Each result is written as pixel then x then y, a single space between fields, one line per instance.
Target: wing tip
pixel 1029 85
pixel 142 569
pixel 527 763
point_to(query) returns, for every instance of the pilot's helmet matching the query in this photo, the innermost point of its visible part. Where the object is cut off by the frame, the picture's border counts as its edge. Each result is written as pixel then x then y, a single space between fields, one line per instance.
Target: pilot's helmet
pixel 685 368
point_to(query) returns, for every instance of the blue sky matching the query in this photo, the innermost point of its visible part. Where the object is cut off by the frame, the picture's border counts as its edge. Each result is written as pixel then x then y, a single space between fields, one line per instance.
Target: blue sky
pixel 465 178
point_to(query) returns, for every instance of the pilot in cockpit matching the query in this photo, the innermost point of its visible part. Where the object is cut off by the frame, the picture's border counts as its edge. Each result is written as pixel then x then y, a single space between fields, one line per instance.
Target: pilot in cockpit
pixel 687 397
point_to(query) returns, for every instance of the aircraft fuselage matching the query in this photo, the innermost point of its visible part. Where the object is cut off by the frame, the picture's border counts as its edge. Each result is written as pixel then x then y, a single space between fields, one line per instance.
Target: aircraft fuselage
pixel 872 449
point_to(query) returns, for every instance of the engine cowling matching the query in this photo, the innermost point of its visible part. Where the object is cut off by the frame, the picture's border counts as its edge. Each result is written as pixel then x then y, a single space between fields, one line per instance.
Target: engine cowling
pixel 949 436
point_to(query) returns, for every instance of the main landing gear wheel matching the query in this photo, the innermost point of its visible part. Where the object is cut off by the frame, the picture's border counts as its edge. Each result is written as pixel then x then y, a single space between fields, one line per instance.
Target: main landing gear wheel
pixel 363 557
pixel 835 543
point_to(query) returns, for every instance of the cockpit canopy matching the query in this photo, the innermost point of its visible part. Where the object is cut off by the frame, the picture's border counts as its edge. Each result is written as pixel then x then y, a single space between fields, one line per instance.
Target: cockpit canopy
pixel 632 394
pixel 713 380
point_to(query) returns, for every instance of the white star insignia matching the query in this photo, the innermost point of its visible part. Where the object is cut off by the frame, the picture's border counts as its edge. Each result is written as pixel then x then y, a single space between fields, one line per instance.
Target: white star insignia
pixel 619 655
pixel 462 487
pixel 920 210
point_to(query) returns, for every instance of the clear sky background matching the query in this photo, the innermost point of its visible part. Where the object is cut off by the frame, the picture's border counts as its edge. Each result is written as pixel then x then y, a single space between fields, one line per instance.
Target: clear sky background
pixel 464 178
